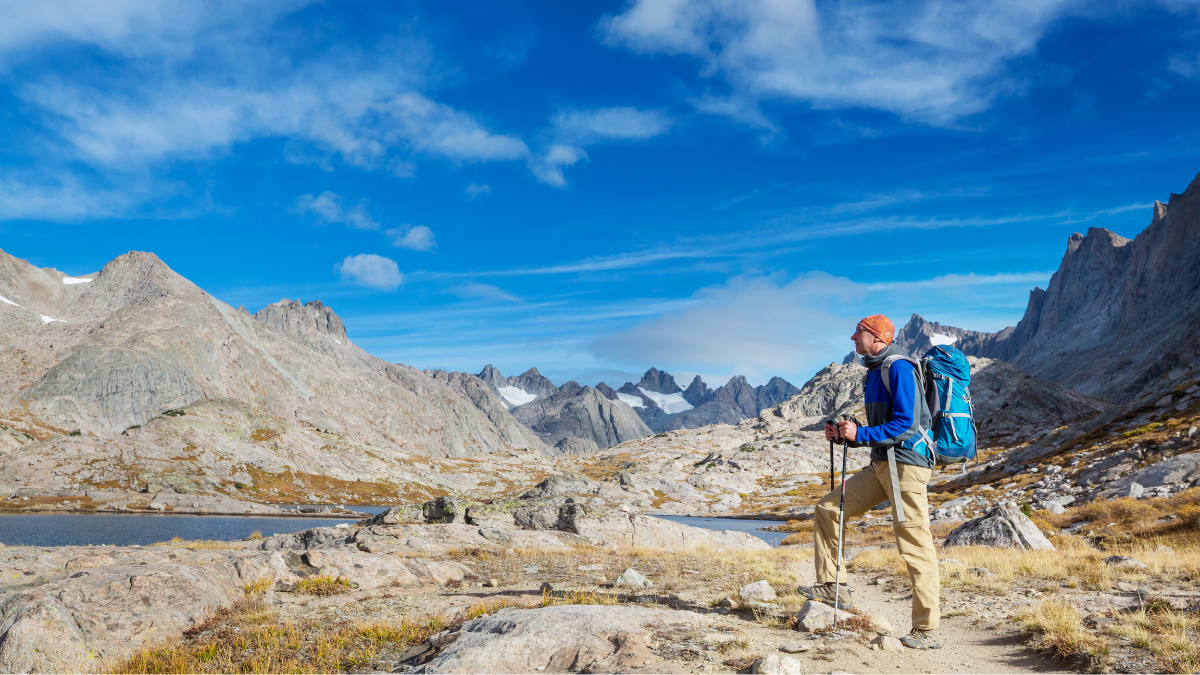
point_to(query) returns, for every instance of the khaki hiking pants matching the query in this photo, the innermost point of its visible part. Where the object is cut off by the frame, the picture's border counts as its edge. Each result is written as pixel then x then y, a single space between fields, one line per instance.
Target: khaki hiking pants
pixel 866 489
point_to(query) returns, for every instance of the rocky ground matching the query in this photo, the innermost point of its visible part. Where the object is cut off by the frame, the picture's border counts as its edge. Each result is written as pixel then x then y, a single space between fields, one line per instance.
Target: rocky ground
pixel 542 584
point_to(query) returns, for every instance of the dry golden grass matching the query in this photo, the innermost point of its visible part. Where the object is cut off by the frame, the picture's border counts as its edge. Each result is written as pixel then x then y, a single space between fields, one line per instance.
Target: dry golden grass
pixel 195 544
pixel 323 585
pixel 1168 634
pixel 250 638
pixel 1059 627
pixel 1074 561
pixel 257 587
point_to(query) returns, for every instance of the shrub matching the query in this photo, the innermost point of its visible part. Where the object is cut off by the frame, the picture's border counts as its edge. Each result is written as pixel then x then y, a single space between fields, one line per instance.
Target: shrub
pixel 174 412
pixel 76 433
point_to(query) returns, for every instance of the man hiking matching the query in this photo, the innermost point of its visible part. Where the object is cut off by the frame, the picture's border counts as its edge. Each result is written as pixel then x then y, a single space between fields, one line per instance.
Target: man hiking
pixel 898 421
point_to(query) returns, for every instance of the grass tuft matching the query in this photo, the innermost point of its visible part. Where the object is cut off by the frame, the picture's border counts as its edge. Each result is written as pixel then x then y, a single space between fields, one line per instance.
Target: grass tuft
pixel 323 585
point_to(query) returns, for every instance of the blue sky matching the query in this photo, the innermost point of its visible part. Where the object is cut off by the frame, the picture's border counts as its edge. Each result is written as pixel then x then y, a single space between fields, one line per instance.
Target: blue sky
pixel 707 186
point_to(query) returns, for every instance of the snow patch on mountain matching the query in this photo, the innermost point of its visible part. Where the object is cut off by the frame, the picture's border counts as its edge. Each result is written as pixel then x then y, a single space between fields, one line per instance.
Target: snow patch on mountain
pixel 631 400
pixel 939 339
pixel 48 319
pixel 515 395
pixel 8 302
pixel 670 403
pixel 75 280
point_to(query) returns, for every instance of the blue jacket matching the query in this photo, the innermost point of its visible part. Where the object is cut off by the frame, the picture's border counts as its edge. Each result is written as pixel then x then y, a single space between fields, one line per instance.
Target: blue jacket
pixel 894 420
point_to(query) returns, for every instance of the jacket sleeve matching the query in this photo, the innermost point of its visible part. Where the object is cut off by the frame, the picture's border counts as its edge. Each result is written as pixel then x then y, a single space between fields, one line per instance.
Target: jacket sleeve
pixel 904 392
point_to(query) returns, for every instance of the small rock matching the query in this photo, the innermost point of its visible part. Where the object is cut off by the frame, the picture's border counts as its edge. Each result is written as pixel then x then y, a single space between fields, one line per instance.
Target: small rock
pixel 718 638
pixel 878 623
pixel 795 647
pixel 1136 490
pixel 1192 431
pixel 1126 587
pixel 776 665
pixel 814 616
pixel 980 572
pixel 285 586
pixel 545 588
pixel 950 561
pixel 601 580
pixel 1054 468
pixel 599 567
pixel 491 583
pixel 532 569
pixel 729 603
pixel 888 644
pixel 631 579
pixel 1052 506
pixel 759 590
pixel 877 581
pixel 1124 561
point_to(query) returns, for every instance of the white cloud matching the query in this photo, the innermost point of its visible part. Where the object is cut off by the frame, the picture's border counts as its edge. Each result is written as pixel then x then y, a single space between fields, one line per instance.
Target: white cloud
pixel 581 127
pixel 925 59
pixel 327 207
pixel 370 270
pixel 765 326
pixel 183 81
pixel 548 168
pixel 414 238
pixel 475 189
pixel 473 290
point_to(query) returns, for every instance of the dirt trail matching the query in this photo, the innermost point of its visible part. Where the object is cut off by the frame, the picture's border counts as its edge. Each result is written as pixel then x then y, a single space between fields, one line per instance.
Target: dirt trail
pixel 970 643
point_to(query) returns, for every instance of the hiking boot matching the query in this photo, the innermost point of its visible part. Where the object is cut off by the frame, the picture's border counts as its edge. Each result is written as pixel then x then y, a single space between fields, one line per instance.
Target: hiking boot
pixel 921 639
pixel 824 593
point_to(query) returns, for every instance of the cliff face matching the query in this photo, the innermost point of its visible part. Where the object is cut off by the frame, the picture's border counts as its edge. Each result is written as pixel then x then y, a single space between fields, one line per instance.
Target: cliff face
pixel 1119 313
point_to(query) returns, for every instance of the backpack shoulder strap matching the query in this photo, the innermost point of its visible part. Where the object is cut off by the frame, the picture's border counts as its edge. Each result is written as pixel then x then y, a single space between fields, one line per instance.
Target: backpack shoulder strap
pixel 885 371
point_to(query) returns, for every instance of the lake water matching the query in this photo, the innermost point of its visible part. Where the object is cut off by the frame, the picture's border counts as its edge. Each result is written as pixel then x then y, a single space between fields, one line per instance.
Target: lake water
pixel 737 524
pixel 81 529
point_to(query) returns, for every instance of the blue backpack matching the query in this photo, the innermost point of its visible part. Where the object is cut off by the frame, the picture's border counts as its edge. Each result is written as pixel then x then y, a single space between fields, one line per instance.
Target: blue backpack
pixel 947 382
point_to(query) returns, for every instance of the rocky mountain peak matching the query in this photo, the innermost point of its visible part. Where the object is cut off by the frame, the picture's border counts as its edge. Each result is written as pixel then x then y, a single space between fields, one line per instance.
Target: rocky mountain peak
pixel 1118 313
pixel 697 392
pixel 658 381
pixel 492 376
pixel 918 336
pixel 303 321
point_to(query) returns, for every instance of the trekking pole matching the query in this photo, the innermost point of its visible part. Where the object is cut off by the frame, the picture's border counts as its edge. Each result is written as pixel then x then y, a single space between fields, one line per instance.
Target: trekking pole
pixel 837 586
pixel 831 478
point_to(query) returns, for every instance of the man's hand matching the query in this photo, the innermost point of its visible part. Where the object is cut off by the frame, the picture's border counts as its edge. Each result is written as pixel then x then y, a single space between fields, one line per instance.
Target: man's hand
pixel 848 430
pixel 831 432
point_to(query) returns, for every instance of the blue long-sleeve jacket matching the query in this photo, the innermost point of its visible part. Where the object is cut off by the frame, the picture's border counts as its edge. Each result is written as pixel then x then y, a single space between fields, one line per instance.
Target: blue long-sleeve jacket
pixel 895 420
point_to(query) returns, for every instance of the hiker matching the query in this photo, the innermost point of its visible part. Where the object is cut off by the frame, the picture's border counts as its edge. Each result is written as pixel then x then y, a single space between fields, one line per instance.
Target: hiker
pixel 898 424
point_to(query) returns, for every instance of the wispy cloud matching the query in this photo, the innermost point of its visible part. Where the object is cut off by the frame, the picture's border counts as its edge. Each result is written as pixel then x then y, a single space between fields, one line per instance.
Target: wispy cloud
pixel 776 325
pixel 583 127
pixel 412 237
pixel 549 167
pixel 189 81
pixel 473 290
pixel 372 271
pixel 327 207
pixel 924 60
pixel 476 189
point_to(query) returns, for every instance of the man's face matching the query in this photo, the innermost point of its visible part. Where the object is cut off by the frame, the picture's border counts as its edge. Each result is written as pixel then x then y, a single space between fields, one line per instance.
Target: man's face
pixel 863 341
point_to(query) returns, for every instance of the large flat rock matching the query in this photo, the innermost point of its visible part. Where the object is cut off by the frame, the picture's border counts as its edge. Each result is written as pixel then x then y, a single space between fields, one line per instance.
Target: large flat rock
pixel 561 639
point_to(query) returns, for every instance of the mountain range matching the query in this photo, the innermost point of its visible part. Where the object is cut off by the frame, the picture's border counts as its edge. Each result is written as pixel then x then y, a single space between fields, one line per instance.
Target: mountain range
pixel 660 403
pixel 133 375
